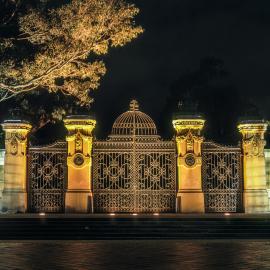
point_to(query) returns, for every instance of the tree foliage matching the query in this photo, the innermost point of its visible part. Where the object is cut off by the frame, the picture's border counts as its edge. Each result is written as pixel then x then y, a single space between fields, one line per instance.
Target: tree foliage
pixel 9 10
pixel 64 45
pixel 211 87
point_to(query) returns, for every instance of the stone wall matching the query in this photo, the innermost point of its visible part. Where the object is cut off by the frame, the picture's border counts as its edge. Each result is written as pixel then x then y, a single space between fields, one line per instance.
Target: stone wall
pixel 267 169
pixel 2 155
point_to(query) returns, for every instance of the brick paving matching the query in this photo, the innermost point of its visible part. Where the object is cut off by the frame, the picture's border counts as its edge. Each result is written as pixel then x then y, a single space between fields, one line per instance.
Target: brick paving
pixel 135 254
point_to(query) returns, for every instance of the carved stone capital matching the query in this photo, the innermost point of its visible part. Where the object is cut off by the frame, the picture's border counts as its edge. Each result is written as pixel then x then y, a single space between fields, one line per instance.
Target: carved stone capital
pixel 188 138
pixel 16 135
pixel 253 142
pixel 80 139
pixel 85 125
pixel 184 126
pixel 253 146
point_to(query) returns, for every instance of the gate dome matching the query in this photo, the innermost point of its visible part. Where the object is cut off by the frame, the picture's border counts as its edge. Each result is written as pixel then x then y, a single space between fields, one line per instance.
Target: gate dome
pixel 134 122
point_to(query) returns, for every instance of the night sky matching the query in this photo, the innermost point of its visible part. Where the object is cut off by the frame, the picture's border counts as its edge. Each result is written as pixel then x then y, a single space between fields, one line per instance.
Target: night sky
pixel 178 34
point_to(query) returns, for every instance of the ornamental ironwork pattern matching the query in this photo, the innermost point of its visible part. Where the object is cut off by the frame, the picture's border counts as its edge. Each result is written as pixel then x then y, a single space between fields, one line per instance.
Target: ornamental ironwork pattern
pixel 155 171
pixel 47 178
pixel 222 178
pixel 134 171
pixel 139 180
pixel 134 123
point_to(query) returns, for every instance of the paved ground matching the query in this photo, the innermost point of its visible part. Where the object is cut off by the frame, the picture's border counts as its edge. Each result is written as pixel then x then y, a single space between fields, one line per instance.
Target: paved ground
pixel 129 255
pixel 132 254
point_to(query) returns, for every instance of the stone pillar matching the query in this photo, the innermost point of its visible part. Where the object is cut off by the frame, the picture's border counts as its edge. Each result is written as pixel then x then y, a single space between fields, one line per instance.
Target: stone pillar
pixel 14 196
pixel 255 198
pixel 190 198
pixel 79 196
pixel 2 159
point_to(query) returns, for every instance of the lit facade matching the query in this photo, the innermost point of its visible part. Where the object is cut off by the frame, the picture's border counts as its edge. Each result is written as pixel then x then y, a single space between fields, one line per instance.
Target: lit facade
pixel 135 170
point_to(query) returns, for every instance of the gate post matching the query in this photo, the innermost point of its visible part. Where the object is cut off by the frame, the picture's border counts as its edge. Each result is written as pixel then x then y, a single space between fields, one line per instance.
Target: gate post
pixel 79 196
pixel 190 198
pixel 14 197
pixel 255 197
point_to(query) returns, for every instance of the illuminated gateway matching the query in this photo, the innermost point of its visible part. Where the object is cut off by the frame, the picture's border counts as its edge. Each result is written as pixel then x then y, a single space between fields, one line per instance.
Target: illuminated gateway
pixel 134 170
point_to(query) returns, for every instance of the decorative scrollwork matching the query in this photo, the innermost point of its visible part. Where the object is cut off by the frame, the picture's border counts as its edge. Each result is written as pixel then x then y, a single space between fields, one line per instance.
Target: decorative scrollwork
pixel 134 177
pixel 155 171
pixel 78 142
pixel 222 178
pixel 113 171
pixel 14 146
pixel 12 143
pixel 254 146
pixel 47 171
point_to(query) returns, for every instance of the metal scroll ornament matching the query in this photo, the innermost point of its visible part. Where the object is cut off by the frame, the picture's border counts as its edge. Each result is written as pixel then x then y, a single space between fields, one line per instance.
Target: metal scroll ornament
pixel 47 178
pixel 222 178
pixel 134 170
pixel 134 181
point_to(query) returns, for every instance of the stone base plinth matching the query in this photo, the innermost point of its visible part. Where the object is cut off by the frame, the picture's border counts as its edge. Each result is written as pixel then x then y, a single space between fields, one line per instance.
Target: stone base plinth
pixel 256 201
pixel 14 201
pixel 79 202
pixel 190 202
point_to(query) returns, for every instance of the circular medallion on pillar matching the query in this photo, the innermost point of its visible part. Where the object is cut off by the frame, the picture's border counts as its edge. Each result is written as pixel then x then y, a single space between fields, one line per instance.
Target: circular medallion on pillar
pixel 190 160
pixel 78 160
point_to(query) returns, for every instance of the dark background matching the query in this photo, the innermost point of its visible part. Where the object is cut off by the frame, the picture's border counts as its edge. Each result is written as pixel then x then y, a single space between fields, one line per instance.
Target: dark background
pixel 213 52
pixel 178 35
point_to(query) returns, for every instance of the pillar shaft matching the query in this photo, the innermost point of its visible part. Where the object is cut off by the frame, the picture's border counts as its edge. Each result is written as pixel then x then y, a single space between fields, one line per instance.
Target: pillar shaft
pixel 2 158
pixel 79 196
pixel 190 198
pixel 255 190
pixel 14 196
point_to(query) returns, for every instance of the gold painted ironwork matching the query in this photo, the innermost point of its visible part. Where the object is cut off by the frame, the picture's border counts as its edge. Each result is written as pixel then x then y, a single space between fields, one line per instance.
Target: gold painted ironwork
pixel 134 123
pixel 222 178
pixel 134 171
pixel 47 177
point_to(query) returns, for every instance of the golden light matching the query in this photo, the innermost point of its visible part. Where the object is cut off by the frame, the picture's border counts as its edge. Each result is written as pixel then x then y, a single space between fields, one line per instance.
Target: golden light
pixel 134 214
pixel 227 214
pixel 42 214
pixel 187 124
pixel 156 214
pixel 112 214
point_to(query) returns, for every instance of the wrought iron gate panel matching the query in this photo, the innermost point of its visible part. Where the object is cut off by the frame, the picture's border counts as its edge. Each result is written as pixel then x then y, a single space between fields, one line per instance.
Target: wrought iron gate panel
pixel 138 177
pixel 47 178
pixel 114 171
pixel 113 181
pixel 156 182
pixel 222 178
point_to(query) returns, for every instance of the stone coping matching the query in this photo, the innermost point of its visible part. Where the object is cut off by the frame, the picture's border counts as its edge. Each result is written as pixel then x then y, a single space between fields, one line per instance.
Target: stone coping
pixel 183 115
pixel 251 121
pixel 16 121
pixel 80 117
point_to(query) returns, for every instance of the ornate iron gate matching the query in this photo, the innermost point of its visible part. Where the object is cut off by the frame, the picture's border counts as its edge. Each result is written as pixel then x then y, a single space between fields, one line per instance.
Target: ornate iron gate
pixel 47 178
pixel 222 178
pixel 134 177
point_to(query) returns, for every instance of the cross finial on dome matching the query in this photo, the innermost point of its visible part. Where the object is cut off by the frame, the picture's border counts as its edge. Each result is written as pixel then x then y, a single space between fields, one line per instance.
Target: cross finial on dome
pixel 134 105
